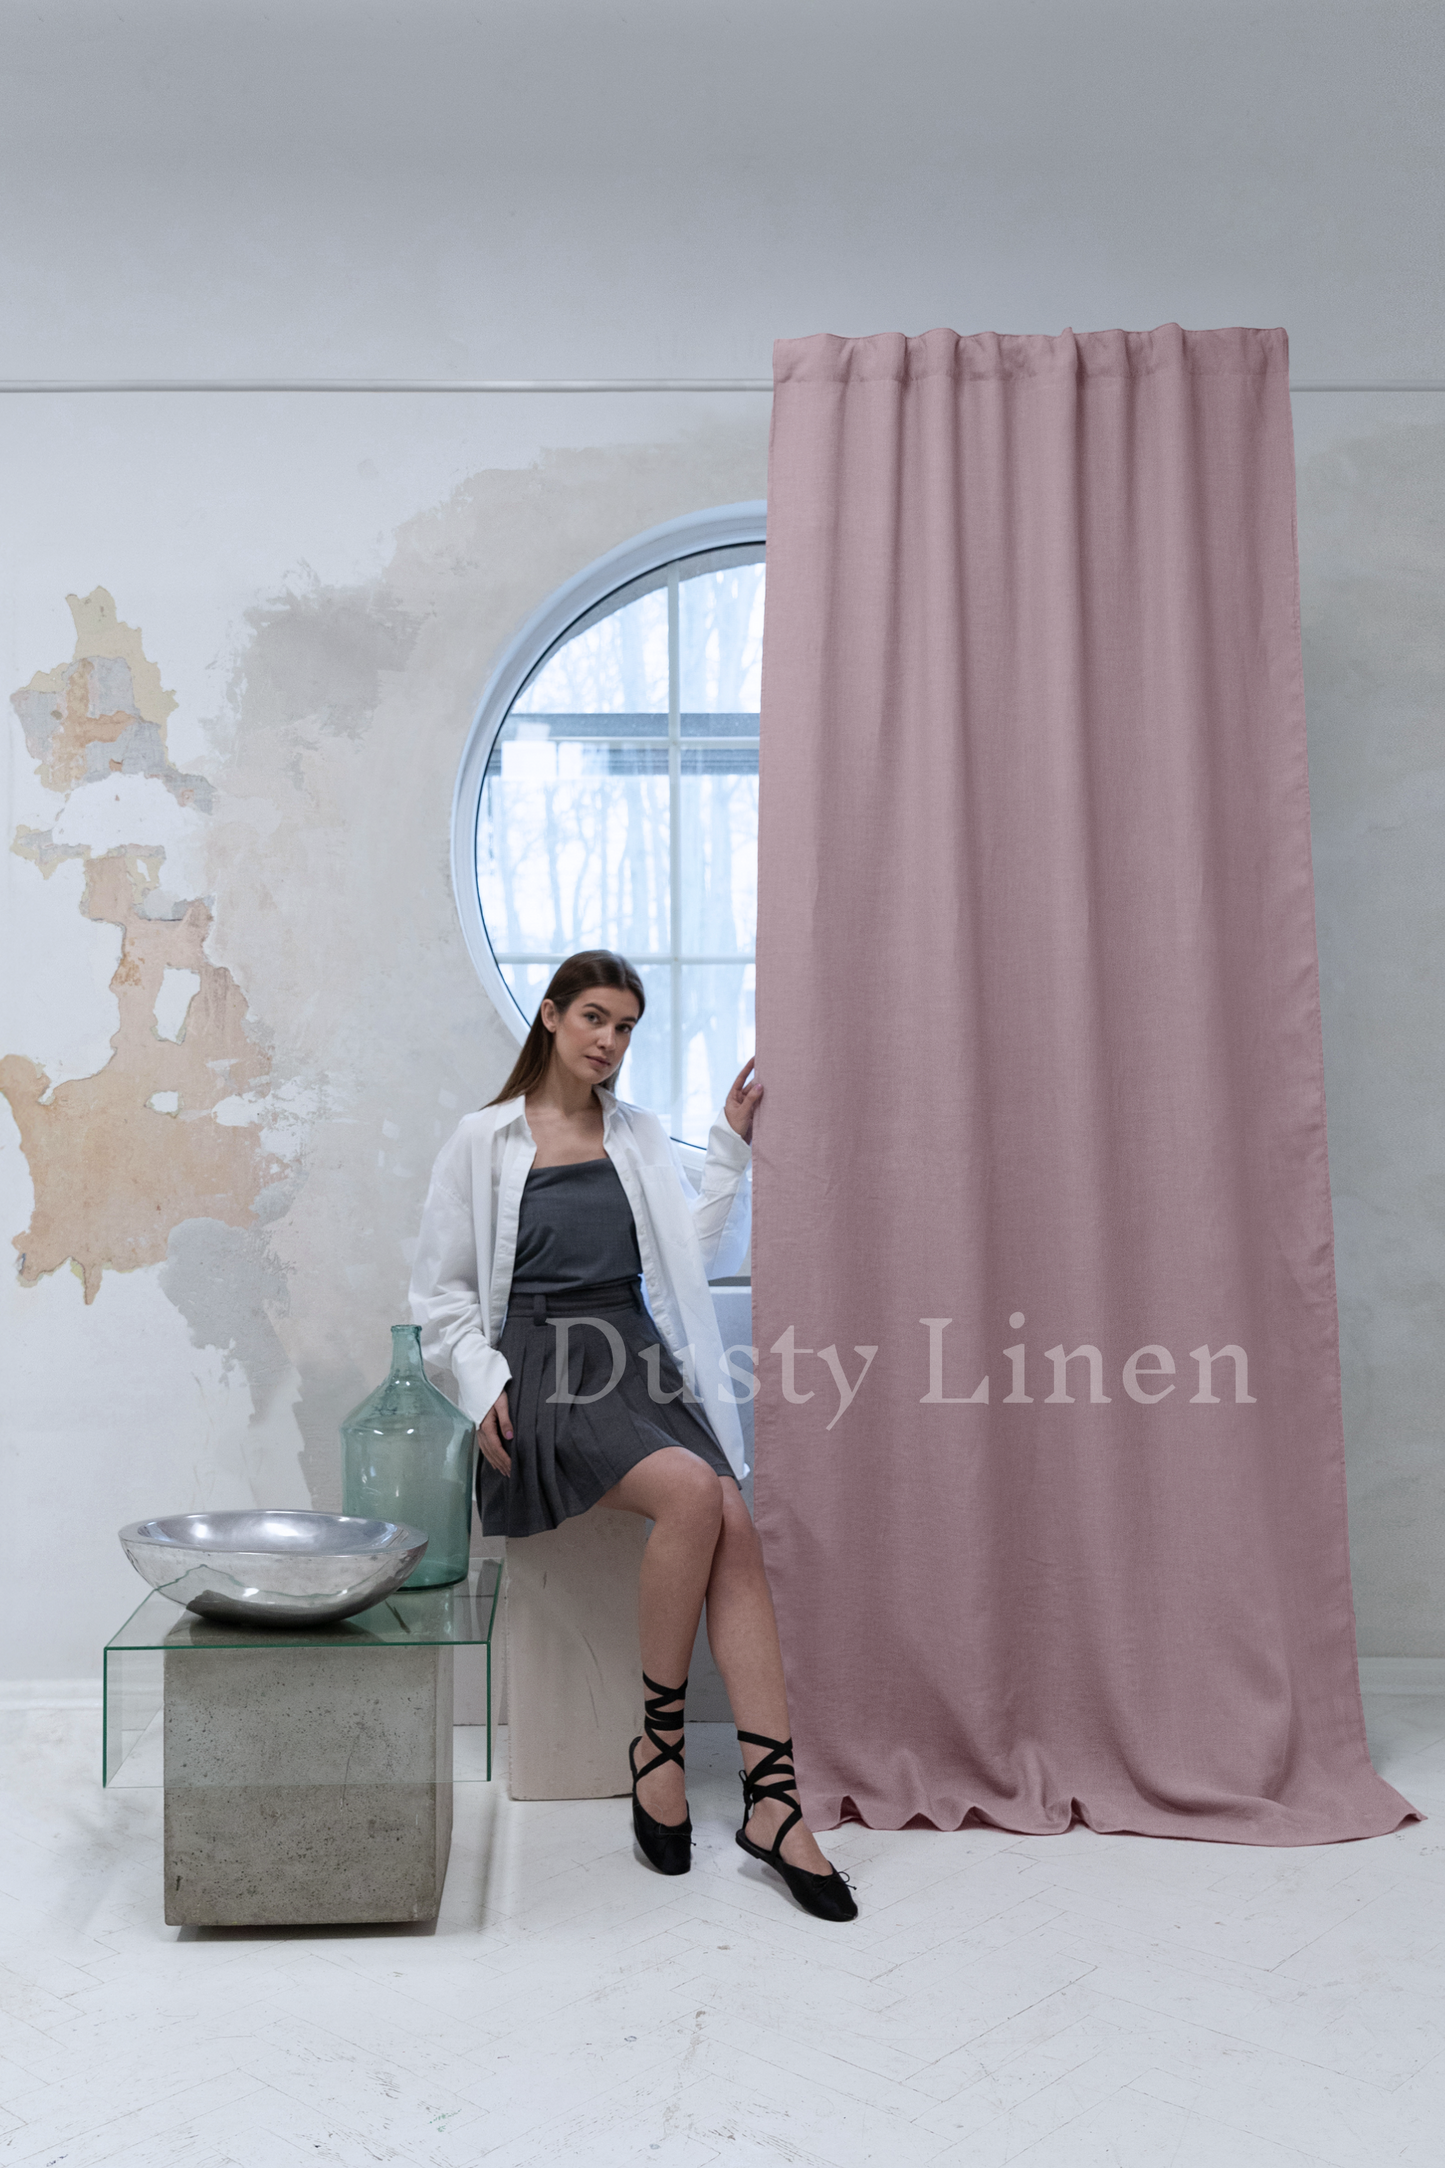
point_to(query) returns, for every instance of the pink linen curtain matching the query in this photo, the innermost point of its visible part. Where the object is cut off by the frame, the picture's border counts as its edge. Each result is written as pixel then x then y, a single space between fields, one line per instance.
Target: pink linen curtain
pixel 1038 1021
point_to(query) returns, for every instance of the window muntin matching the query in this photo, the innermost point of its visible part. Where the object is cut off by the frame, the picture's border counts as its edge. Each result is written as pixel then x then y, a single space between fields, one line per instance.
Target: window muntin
pixel 618 809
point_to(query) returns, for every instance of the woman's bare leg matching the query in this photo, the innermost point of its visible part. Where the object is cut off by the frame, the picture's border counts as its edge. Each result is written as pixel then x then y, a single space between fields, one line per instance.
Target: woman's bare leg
pixel 682 1498
pixel 703 1543
pixel 742 1632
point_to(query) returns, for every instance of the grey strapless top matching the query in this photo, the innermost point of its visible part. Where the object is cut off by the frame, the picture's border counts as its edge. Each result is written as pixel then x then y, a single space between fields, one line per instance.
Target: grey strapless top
pixel 575 1227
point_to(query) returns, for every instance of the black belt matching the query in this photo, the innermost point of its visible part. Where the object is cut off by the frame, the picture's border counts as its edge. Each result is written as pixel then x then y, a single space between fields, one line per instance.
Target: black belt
pixel 578 1301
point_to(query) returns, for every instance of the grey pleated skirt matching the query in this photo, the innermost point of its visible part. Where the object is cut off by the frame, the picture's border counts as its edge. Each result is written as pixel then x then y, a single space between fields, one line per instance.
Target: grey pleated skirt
pixel 566 1453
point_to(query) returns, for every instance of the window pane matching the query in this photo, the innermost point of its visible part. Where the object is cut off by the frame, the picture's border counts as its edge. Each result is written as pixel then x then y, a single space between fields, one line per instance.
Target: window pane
pixel 575 839
pixel 616 665
pixel 716 1031
pixel 645 1076
pixel 570 856
pixel 720 855
pixel 720 630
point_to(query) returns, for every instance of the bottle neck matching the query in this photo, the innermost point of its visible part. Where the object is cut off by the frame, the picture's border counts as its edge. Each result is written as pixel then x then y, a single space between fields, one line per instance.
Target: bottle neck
pixel 406 1352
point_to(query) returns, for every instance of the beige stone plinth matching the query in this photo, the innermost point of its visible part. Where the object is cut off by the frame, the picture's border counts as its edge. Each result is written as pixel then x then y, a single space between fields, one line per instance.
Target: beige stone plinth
pixel 574 1687
pixel 306 1785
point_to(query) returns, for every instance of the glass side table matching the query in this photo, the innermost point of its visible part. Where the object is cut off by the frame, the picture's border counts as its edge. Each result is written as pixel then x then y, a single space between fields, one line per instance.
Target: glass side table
pixel 307 1773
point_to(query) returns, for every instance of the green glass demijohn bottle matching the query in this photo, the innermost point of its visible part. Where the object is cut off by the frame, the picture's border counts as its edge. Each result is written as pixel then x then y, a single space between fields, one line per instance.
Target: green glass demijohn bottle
pixel 408 1455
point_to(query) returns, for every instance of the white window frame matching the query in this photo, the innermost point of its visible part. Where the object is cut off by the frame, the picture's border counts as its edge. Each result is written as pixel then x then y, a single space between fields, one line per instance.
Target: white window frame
pixel 723 526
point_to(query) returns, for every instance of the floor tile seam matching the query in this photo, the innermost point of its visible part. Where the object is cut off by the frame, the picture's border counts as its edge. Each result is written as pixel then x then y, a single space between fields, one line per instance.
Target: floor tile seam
pixel 1175 2061
pixel 548 2160
pixel 564 2116
pixel 859 2045
pixel 124 2116
pixel 907 2106
pixel 284 2101
pixel 330 2028
pixel 122 2057
pixel 1102 1911
pixel 1176 1958
pixel 577 1915
pixel 1334 1927
pixel 814 1974
pixel 600 1987
pixel 1086 1969
pixel 962 1938
pixel 355 2055
pixel 536 2004
pixel 291 2085
pixel 768 2107
pixel 1110 1998
pixel 546 2115
pixel 53 1956
pixel 974 2040
pixel 1016 1901
pixel 41 2035
pixel 380 2062
pixel 1045 2084
pixel 66 2084
pixel 974 2045
pixel 1203 2119
pixel 1051 2136
pixel 1219 2113
pixel 1210 2030
pixel 103 1957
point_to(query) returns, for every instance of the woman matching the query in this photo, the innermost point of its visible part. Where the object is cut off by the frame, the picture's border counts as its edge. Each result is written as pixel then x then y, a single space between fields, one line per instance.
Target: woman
pixel 546 1210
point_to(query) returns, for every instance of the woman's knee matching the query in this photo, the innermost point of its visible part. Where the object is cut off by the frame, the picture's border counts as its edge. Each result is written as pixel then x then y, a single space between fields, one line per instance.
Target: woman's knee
pixel 689 1495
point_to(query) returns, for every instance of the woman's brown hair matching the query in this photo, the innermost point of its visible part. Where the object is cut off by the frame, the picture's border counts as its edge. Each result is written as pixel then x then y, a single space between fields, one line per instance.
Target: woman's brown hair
pixel 589 967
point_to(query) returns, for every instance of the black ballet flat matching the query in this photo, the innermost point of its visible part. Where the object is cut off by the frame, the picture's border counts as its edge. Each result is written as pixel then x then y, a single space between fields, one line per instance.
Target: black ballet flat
pixel 827 1896
pixel 667 1845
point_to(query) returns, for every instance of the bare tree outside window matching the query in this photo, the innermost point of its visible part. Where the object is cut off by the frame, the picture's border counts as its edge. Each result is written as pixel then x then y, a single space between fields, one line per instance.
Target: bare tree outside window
pixel 619 809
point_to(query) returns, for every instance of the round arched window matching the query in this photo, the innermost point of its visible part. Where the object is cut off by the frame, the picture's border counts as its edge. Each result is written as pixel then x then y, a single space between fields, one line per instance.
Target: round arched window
pixel 608 798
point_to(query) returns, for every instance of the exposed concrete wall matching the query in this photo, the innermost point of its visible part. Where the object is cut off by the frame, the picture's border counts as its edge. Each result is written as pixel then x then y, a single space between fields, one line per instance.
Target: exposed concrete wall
pixel 1372 544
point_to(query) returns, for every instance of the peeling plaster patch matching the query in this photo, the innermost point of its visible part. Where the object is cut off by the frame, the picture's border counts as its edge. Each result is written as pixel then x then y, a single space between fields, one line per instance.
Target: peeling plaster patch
pixel 121 1156
pixel 129 809
pixel 105 712
pixel 56 966
pixel 178 989
pixel 112 1176
pixel 319 658
pixel 226 1284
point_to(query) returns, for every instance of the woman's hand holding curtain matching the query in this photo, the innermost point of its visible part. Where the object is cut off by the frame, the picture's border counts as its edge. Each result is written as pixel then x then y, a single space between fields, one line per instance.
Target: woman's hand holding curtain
pixel 741 1103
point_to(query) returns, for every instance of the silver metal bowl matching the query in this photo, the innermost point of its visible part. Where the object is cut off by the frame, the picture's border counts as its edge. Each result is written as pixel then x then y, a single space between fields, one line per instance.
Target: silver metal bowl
pixel 273 1568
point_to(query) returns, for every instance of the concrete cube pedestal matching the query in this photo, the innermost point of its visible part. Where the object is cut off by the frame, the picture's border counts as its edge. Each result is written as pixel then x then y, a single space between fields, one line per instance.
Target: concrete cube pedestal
pixel 307 1785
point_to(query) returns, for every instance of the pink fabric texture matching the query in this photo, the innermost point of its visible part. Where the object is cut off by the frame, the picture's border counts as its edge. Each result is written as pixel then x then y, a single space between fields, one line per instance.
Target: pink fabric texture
pixel 1038 1022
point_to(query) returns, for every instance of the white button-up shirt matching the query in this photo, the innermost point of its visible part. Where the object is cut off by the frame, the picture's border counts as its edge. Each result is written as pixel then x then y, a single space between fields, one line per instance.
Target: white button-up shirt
pixel 462 1271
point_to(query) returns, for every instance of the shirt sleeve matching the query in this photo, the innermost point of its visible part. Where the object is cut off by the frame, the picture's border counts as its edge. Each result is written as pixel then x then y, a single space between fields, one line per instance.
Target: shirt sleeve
pixel 722 1205
pixel 446 1292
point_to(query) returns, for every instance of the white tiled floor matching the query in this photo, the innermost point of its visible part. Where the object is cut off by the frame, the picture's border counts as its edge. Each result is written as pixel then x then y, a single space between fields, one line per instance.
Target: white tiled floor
pixel 1062 2002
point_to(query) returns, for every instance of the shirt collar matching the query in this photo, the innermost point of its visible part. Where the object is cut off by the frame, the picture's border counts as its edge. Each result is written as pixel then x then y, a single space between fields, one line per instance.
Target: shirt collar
pixel 515 1110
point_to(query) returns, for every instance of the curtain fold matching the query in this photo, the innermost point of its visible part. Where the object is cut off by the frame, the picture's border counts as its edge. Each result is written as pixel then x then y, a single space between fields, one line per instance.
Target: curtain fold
pixel 1038 1022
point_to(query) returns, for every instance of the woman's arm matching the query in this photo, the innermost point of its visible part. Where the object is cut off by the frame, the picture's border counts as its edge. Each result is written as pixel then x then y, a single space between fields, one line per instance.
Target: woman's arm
pixel 722 1207
pixel 447 1298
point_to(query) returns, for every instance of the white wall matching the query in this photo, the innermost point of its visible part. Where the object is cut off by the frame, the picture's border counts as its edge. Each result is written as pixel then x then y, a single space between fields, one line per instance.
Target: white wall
pixel 321 583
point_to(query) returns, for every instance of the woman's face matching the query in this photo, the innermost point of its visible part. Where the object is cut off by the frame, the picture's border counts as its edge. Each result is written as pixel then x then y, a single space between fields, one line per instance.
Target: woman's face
pixel 591 1035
